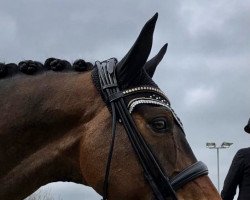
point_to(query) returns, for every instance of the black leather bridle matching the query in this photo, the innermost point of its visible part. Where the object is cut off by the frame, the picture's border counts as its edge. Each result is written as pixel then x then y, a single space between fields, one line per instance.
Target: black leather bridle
pixel 161 185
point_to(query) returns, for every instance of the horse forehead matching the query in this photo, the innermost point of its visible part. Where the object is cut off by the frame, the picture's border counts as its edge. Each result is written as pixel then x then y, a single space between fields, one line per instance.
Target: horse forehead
pixel 151 111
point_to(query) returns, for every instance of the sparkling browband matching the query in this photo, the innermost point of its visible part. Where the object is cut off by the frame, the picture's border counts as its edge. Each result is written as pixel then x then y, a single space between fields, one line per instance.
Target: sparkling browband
pixel 145 89
pixel 155 97
pixel 133 103
pixel 136 89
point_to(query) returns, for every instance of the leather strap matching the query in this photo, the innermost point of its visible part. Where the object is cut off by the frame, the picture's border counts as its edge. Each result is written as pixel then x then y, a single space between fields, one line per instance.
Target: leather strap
pixel 190 173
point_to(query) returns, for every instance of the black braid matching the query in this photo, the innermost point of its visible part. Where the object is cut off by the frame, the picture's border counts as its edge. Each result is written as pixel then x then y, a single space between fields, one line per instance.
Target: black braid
pixel 30 67
pixel 80 65
pixel 56 64
pixel 3 70
pixel 6 69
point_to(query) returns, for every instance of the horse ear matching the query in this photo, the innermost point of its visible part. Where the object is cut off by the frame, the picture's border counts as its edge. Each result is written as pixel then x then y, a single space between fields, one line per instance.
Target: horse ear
pixel 151 65
pixel 130 67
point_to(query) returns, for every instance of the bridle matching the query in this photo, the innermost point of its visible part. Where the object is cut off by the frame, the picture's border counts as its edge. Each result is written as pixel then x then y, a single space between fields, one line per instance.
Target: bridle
pixel 121 110
pixel 160 184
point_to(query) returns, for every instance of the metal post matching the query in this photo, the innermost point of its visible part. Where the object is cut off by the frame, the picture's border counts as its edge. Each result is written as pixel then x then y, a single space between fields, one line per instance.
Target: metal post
pixel 212 145
pixel 218 168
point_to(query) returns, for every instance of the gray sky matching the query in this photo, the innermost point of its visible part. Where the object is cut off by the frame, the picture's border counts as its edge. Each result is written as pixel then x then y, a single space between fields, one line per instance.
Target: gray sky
pixel 205 72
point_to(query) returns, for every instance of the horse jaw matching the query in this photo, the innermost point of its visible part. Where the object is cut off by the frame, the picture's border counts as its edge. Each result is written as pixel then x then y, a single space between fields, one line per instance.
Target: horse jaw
pixel 199 189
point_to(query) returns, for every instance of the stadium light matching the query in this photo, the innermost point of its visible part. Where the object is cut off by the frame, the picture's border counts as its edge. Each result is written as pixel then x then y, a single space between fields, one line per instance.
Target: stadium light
pixel 224 145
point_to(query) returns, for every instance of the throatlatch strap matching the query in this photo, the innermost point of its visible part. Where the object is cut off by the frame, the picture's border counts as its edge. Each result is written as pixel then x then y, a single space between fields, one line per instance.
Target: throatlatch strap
pixel 105 184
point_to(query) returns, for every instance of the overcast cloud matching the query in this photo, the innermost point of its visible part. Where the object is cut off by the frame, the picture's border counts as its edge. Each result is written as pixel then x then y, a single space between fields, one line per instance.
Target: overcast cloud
pixel 205 72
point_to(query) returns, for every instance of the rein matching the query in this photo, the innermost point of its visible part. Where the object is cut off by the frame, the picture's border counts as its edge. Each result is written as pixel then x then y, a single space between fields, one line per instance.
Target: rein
pixel 160 184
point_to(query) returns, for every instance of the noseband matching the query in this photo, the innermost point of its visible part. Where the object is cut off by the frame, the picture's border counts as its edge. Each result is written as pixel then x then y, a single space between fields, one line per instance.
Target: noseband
pixel 162 187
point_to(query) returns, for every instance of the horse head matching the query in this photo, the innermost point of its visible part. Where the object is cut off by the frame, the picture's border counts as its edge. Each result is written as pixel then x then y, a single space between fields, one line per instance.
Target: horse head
pixel 155 121
pixel 109 127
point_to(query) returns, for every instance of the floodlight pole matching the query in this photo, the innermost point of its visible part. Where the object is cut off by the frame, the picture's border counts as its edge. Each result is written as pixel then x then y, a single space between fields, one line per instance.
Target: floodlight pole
pixel 218 167
pixel 213 145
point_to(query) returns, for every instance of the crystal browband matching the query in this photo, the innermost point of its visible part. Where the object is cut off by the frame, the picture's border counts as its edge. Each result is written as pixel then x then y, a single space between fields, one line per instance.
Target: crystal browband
pixel 145 89
pixel 133 103
pixel 150 95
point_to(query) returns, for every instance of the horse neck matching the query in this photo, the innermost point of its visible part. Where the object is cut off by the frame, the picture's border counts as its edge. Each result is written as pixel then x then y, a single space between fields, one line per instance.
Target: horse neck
pixel 41 124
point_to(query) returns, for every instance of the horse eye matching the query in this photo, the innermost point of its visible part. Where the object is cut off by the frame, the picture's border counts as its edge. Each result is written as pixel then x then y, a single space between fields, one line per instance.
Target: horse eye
pixel 159 125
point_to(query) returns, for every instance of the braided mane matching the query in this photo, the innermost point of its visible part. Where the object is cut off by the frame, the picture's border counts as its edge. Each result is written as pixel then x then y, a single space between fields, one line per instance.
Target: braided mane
pixel 31 67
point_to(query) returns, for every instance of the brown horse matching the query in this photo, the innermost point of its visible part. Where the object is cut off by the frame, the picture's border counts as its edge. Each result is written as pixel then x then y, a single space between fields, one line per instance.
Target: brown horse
pixel 56 127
